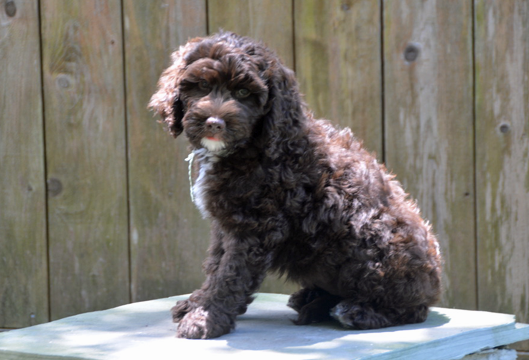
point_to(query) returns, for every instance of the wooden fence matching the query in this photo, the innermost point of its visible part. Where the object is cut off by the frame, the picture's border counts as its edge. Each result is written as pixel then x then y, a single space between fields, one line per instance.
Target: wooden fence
pixel 94 196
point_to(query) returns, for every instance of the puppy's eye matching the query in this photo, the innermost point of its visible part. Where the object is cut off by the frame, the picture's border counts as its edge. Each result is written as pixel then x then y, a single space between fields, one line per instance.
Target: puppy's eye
pixel 204 85
pixel 242 93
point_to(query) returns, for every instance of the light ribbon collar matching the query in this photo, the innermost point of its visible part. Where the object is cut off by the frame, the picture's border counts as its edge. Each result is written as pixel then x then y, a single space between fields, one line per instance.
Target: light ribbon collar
pixel 190 159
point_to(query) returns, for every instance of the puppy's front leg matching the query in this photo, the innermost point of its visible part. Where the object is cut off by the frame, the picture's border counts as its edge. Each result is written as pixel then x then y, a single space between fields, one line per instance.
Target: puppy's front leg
pixel 234 272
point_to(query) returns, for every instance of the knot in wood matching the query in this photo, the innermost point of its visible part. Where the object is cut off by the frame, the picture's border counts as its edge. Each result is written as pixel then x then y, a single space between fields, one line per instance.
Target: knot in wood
pixel 10 8
pixel 63 81
pixel 54 187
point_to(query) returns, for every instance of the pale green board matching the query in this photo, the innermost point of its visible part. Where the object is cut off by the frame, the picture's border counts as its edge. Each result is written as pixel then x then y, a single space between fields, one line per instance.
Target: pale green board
pixel 144 331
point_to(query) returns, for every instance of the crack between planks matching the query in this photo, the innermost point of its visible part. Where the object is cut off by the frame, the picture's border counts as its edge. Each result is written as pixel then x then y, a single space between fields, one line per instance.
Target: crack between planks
pixel 45 163
pixel 127 152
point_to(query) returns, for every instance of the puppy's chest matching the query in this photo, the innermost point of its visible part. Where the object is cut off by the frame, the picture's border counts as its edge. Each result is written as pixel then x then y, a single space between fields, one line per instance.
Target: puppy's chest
pixel 219 191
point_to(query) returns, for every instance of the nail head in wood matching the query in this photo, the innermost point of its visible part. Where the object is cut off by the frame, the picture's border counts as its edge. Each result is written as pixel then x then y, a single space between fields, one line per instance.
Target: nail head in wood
pixel 10 8
pixel 505 128
pixel 411 52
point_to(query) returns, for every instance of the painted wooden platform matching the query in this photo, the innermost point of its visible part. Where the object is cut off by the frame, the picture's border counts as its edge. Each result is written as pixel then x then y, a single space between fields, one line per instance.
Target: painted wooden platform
pixel 144 331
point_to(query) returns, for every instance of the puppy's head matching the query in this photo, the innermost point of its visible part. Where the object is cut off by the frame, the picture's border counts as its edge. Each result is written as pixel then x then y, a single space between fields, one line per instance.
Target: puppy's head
pixel 219 91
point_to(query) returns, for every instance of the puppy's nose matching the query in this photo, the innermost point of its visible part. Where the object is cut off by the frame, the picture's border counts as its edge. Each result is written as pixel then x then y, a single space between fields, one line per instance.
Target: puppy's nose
pixel 215 125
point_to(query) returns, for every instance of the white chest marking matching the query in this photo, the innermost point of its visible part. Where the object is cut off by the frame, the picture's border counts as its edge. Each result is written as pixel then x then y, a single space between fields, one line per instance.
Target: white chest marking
pixel 201 187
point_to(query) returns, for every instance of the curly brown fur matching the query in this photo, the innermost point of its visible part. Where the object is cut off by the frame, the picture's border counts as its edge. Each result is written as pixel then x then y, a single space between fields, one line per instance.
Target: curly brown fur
pixel 290 194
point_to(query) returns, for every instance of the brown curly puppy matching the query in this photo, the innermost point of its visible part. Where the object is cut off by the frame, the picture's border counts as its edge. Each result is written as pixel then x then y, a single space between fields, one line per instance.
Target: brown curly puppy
pixel 290 194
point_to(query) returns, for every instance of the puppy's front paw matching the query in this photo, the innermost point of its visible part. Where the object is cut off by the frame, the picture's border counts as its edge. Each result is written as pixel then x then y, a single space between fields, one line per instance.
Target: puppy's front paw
pixel 203 324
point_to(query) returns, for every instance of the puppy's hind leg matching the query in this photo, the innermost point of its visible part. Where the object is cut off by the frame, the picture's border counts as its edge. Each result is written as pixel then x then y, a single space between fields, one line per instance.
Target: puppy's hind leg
pixel 302 297
pixel 359 316
pixel 313 305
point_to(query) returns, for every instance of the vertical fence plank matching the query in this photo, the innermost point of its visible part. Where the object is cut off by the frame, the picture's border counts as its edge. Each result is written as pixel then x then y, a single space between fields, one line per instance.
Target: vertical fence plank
pixel 269 21
pixel 168 236
pixel 502 154
pixel 85 148
pixel 429 126
pixel 338 64
pixel 23 268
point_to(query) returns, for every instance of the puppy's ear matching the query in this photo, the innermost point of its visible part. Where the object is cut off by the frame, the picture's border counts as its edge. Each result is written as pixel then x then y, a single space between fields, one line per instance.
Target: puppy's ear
pixel 284 121
pixel 166 101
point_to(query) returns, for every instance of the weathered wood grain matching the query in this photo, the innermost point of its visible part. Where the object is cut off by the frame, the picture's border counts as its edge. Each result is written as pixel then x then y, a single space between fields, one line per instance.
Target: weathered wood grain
pixel 502 155
pixel 338 64
pixel 429 126
pixel 23 260
pixel 168 236
pixel 335 47
pixel 86 155
pixel 267 20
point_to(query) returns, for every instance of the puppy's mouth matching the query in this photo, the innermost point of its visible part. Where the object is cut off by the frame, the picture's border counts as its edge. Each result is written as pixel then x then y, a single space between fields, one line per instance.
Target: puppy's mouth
pixel 213 137
pixel 213 143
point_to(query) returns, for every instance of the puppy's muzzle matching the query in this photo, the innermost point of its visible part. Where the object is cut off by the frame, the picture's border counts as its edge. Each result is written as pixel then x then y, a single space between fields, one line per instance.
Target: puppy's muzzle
pixel 215 125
